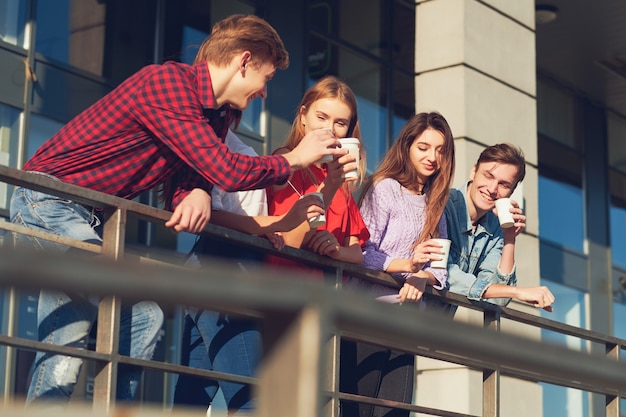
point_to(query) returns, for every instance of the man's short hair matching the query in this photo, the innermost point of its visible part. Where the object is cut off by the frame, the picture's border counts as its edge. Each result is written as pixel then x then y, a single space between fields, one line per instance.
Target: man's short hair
pixel 239 33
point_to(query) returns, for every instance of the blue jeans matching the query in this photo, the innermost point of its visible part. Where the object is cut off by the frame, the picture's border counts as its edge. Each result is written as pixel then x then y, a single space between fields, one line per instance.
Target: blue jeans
pixel 66 318
pixel 217 342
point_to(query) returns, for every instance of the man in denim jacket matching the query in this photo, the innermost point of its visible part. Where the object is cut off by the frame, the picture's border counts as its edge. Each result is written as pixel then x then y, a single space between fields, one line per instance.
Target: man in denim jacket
pixel 481 265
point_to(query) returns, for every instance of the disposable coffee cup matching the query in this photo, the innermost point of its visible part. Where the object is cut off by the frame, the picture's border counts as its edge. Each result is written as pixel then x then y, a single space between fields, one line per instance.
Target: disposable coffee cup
pixel 504 214
pixel 443 263
pixel 352 145
pixel 320 219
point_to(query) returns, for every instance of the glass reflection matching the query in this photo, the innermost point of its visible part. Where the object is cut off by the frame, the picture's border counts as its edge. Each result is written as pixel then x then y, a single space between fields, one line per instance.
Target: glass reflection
pixel 569 309
pixel 553 197
pixel 13 15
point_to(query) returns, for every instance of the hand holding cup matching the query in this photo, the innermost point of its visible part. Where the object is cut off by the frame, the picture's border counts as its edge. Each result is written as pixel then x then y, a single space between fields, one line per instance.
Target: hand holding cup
pixel 313 146
pixel 505 216
pixel 320 219
pixel 445 252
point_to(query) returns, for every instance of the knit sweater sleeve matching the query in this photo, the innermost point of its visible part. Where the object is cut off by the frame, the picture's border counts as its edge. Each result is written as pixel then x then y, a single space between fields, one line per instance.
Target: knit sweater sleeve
pixel 380 211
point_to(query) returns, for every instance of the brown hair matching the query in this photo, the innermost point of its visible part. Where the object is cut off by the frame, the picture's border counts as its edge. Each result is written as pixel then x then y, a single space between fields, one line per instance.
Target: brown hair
pixel 397 165
pixel 239 33
pixel 329 87
pixel 505 153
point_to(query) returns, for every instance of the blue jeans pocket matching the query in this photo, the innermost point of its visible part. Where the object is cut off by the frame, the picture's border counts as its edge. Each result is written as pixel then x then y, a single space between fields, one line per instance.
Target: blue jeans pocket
pixel 52 214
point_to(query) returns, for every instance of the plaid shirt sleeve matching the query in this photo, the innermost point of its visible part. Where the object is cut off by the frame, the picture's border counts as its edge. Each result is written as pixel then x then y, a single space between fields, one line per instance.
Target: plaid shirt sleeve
pixel 169 107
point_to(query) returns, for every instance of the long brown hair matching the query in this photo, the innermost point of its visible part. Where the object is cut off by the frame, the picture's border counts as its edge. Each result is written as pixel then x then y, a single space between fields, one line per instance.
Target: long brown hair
pixel 397 165
pixel 329 87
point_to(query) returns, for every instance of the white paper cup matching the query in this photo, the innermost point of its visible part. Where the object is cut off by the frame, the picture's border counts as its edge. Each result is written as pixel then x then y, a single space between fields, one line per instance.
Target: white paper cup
pixel 352 145
pixel 504 214
pixel 443 263
pixel 319 220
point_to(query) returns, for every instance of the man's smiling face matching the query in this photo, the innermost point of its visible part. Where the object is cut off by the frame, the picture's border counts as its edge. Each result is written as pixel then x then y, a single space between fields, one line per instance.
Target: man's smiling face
pixel 490 181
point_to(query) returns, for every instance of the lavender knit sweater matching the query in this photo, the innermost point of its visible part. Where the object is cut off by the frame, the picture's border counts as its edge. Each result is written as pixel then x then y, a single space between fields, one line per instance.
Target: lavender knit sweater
pixel 395 219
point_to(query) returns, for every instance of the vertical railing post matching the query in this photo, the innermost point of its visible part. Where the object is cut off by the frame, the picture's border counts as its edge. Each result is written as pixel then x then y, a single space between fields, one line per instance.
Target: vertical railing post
pixel 612 401
pixel 289 380
pixel 331 365
pixel 330 375
pixel 10 310
pixel 491 377
pixel 107 339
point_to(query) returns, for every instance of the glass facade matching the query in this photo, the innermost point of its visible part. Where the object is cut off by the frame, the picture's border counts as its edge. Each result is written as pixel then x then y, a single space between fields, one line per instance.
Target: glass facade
pixel 13 17
pixel 570 308
pixel 9 143
pixel 377 63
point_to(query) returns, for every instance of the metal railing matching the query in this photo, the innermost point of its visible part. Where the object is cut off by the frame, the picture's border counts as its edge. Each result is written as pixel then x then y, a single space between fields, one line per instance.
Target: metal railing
pixel 303 321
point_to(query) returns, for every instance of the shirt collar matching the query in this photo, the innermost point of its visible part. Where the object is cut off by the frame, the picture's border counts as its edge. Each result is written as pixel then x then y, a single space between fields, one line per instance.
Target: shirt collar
pixel 481 226
pixel 205 86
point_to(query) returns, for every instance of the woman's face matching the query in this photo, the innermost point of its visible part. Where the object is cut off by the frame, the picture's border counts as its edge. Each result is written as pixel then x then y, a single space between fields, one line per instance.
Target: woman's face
pixel 425 153
pixel 327 113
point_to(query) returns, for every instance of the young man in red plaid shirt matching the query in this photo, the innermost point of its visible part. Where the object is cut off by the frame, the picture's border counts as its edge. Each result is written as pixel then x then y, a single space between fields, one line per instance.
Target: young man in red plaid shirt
pixel 163 126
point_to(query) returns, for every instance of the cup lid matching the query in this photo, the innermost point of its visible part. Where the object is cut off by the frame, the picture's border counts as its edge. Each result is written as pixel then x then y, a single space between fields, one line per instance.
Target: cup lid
pixel 349 141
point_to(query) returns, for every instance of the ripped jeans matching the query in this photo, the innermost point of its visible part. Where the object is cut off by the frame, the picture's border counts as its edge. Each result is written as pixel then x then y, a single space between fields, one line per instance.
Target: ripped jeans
pixel 66 318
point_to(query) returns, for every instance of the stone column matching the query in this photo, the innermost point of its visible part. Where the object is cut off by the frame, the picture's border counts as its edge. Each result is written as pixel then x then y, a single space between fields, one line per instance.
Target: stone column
pixel 475 63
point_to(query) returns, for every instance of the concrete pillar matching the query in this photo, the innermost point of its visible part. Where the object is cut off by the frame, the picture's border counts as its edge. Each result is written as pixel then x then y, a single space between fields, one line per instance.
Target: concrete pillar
pixel 475 63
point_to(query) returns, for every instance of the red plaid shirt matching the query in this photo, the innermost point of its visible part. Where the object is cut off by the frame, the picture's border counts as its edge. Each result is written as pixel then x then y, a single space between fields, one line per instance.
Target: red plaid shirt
pixel 155 128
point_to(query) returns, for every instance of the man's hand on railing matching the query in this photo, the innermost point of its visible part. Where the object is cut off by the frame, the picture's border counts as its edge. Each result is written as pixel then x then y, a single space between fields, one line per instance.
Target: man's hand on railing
pixel 193 213
pixel 540 297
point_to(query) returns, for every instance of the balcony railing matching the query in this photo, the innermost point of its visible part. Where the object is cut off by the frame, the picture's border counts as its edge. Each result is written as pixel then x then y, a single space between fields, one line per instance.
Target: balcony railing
pixel 303 320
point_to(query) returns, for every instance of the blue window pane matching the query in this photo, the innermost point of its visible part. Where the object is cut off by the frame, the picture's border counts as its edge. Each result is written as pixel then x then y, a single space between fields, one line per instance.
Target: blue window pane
pixel 372 121
pixel 619 320
pixel 618 235
pixel 192 39
pixel 561 213
pixel 41 129
pixel 569 308
pixel 566 402
pixel 9 134
pixel 53 34
pixel 13 21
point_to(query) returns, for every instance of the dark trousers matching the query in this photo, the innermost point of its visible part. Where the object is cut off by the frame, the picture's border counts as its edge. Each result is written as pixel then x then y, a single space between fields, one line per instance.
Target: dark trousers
pixel 376 372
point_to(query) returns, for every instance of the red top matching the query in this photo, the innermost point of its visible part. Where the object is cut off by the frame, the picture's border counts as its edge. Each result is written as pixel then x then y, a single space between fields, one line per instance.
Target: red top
pixel 343 218
pixel 155 128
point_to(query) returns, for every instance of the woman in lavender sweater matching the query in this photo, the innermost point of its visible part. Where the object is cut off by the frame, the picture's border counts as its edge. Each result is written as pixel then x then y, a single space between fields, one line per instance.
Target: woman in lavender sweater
pixel 402 208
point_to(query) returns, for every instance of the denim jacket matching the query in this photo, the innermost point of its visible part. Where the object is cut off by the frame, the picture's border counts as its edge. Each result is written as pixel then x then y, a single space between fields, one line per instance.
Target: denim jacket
pixel 474 254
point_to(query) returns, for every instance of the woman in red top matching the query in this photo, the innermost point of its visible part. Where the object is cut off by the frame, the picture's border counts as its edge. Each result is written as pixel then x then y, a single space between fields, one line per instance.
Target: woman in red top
pixel 329 104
